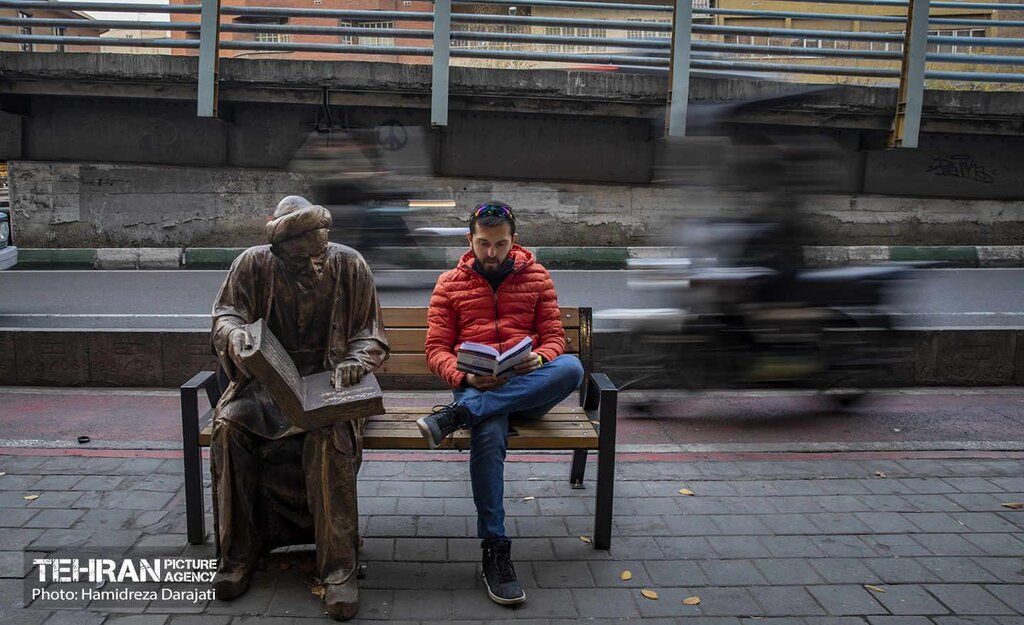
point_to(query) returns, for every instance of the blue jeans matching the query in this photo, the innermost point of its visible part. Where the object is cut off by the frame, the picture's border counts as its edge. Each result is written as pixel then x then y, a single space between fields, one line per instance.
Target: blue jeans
pixel 528 396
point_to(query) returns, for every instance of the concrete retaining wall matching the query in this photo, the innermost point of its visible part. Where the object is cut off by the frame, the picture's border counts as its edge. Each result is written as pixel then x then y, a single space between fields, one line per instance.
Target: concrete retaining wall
pixel 99 205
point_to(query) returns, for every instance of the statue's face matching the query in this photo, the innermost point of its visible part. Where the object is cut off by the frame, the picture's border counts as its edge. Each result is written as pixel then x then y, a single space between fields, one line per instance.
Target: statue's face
pixel 312 244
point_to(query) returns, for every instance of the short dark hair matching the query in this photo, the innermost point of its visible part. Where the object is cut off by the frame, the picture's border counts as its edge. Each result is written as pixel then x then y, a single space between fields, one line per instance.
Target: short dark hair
pixel 490 214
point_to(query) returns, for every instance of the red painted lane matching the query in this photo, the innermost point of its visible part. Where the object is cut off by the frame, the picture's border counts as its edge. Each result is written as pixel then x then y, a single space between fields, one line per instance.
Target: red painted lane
pixel 946 415
pixel 67 415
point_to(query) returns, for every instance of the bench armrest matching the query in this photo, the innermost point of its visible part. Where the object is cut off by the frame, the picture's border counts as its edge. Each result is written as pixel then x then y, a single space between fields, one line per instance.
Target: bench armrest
pixel 190 427
pixel 603 397
pixel 595 388
pixel 206 380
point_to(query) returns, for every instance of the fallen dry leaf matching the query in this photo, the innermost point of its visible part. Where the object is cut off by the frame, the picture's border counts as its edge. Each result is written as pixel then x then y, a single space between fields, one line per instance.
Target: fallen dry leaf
pixel 650 594
pixel 319 591
pixel 874 588
pixel 880 474
pixel 285 566
pixel 30 497
pixel 1014 505
pixel 686 491
pixel 691 601
pixel 585 539
pixel 626 576
pixel 529 498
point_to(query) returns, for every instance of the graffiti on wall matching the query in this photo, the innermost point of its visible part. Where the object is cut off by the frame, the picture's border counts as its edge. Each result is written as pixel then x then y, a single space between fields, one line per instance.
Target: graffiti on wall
pixel 961 166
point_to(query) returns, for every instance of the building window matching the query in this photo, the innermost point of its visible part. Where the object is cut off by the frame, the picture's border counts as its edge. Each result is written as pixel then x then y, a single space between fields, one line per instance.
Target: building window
pixel 575 31
pixel 26 30
pixel 747 40
pixel 60 31
pixel 648 34
pixel 509 29
pixel 260 37
pixel 383 41
pixel 270 37
pixel 954 48
pixel 819 44
pixel 888 46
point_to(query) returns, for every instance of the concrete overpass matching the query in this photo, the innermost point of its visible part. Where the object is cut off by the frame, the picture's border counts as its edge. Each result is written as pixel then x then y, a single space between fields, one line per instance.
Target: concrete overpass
pixel 90 137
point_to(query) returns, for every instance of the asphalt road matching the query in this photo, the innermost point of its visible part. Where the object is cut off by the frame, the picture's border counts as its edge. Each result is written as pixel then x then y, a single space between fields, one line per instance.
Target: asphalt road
pixel 947 298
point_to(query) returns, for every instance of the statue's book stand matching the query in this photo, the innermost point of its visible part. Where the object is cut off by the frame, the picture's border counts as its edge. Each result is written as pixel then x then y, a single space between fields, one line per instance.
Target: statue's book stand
pixel 309 402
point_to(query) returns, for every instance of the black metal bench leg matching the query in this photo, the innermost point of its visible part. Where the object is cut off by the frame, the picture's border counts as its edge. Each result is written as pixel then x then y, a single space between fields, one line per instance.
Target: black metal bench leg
pixel 194 513
pixel 607 408
pixel 579 466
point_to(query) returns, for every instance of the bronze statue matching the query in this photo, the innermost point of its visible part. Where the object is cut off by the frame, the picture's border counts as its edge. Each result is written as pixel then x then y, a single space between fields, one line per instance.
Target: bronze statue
pixel 273 483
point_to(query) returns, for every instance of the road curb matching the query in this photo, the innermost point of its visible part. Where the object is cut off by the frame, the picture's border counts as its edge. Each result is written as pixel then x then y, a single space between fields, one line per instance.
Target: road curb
pixel 582 257
pixel 111 357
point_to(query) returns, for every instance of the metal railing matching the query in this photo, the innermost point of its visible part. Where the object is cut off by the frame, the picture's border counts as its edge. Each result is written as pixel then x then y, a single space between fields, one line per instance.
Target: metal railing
pixel 683 43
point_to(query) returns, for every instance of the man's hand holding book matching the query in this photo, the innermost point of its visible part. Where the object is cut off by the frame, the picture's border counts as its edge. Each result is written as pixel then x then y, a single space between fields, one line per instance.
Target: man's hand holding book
pixel 487 369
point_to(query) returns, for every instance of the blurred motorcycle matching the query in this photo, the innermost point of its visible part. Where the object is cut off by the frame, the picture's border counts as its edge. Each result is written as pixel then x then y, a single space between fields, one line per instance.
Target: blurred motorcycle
pixel 749 326
pixel 370 204
pixel 739 308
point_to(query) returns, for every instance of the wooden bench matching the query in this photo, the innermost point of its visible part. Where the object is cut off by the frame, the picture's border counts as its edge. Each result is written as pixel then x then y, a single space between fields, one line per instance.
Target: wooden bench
pixel 591 426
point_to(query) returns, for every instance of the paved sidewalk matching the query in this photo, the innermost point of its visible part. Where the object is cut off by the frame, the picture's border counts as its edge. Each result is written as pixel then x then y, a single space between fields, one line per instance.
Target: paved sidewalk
pixel 793 538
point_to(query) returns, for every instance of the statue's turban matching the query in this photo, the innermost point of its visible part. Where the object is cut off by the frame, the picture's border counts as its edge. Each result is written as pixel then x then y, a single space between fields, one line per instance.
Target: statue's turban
pixel 297 222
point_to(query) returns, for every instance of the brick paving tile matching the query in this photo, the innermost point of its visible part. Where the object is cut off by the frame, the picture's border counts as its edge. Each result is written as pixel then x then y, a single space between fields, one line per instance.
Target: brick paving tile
pixel 763 542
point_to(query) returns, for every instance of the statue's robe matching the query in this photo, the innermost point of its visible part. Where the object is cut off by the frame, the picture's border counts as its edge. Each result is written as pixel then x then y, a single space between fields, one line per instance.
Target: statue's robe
pixel 274 484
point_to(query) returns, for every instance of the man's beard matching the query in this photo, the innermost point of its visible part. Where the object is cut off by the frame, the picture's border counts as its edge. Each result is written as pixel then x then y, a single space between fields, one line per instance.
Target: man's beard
pixel 491 269
pixel 308 271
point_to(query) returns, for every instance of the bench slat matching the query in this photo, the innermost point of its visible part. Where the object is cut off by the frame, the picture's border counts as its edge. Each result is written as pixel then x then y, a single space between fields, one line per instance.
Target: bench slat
pixel 399 431
pixel 527 439
pixel 416 317
pixel 398 426
pixel 413 339
pixel 556 412
pixel 562 420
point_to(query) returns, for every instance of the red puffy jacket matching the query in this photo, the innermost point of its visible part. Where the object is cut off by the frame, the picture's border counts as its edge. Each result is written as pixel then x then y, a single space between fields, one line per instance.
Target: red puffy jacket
pixel 464 307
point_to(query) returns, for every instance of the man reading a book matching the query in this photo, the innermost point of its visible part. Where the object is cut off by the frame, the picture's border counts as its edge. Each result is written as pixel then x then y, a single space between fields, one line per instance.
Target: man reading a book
pixel 497 296
pixel 275 484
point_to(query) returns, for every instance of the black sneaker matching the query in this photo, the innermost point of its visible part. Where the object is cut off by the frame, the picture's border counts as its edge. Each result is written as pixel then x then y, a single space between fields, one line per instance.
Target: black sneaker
pixel 499 575
pixel 444 421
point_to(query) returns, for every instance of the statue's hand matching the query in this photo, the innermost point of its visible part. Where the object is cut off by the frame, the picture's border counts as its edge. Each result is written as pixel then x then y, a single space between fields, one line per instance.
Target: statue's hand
pixel 238 341
pixel 347 374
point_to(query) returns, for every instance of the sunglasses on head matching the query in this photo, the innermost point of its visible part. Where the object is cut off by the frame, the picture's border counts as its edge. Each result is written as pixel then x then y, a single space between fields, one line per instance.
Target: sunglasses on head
pixel 493 210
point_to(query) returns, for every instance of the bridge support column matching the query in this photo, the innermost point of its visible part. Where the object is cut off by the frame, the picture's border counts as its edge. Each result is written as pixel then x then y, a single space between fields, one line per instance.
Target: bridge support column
pixel 679 70
pixel 209 58
pixel 906 125
pixel 442 51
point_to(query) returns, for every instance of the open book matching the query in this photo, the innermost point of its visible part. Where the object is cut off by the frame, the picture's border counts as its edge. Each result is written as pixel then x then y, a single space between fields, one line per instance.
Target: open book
pixel 309 402
pixel 485 360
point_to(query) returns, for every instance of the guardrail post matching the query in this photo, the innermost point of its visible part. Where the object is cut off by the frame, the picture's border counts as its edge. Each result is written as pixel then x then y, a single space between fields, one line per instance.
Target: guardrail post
pixel 679 70
pixel 442 51
pixel 906 125
pixel 209 58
